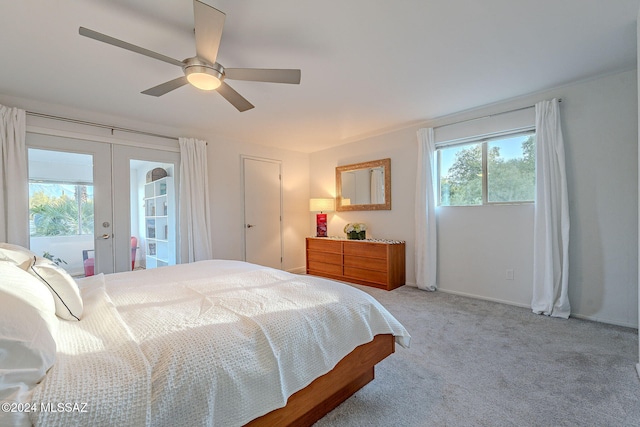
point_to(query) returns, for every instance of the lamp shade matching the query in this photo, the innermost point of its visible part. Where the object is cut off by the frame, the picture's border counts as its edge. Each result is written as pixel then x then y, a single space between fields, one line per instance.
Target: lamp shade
pixel 322 205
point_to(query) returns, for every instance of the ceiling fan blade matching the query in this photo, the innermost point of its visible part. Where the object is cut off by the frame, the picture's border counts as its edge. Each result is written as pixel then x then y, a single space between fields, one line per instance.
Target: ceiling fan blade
pixel 166 87
pixel 263 75
pixel 209 22
pixel 124 45
pixel 234 97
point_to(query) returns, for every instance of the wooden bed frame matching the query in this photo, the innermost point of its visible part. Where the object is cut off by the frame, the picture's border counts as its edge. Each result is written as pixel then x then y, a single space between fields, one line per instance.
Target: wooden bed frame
pixel 320 397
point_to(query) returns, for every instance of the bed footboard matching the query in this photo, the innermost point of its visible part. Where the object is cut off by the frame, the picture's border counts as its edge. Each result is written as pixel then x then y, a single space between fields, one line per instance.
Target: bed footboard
pixel 320 397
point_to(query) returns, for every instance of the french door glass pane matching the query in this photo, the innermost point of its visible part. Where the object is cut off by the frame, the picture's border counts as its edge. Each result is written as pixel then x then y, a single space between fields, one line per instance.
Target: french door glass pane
pixel 61 207
pixel 153 214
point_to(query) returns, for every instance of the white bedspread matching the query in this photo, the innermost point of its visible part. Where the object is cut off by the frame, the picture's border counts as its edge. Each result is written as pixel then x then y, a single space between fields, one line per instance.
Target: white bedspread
pixel 214 343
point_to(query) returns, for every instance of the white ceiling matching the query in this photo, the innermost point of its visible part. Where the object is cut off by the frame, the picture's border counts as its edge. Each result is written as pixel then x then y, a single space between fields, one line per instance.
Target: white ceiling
pixel 366 66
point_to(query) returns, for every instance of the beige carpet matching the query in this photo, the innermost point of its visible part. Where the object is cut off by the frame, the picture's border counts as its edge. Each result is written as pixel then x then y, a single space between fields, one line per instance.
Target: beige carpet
pixel 478 363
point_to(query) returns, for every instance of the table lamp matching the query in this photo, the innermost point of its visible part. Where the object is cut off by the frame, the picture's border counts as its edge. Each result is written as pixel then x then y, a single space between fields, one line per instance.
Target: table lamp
pixel 321 206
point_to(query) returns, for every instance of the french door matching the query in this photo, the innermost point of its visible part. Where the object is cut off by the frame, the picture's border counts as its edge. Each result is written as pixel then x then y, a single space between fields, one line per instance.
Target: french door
pixel 71 213
pixel 86 202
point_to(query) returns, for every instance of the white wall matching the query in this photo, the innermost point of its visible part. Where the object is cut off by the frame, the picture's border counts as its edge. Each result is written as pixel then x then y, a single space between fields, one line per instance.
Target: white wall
pixel 476 247
pixel 600 129
pixel 226 196
pixel 478 244
pixel 394 224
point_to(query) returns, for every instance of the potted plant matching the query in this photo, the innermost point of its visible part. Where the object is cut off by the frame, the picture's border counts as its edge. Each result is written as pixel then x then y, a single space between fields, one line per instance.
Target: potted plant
pixel 356 231
pixel 53 258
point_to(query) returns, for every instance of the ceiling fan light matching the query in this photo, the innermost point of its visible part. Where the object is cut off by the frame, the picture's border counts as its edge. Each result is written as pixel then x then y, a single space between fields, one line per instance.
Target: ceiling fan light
pixel 204 81
pixel 203 78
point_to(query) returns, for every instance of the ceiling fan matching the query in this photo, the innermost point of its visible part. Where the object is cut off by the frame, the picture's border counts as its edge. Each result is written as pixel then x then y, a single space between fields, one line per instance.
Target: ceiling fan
pixel 202 70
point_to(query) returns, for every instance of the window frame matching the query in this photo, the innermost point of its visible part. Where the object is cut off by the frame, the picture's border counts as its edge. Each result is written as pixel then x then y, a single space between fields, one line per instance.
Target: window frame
pixel 484 142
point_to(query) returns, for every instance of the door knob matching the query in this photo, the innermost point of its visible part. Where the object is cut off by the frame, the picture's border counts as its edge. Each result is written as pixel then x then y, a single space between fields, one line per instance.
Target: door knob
pixel 106 236
pixel 250 225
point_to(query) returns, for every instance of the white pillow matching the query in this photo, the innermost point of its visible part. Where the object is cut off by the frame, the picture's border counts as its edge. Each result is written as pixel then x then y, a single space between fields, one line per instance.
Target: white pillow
pixel 27 346
pixel 20 256
pixel 65 291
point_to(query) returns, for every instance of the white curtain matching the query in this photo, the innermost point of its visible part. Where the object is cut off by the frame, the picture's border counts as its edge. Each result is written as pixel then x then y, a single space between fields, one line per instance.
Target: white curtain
pixel 425 215
pixel 377 186
pixel 195 222
pixel 551 229
pixel 14 184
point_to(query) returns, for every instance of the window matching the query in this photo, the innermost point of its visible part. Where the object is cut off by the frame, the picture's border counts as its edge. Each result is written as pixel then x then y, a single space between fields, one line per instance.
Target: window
pixel 498 170
pixel 60 209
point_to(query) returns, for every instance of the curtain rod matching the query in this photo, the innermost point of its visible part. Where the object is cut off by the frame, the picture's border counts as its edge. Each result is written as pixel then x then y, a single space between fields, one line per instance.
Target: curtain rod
pixel 99 125
pixel 489 116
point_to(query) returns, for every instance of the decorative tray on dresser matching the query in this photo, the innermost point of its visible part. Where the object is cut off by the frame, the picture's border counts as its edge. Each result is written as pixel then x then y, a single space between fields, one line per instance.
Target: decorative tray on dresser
pixel 372 262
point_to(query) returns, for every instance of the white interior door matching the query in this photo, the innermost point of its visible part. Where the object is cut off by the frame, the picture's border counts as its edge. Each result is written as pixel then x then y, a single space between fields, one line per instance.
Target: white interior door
pixel 65 172
pixel 262 211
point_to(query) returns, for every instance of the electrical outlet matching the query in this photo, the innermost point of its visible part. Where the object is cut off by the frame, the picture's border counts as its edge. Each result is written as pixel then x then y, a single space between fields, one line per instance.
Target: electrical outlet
pixel 509 274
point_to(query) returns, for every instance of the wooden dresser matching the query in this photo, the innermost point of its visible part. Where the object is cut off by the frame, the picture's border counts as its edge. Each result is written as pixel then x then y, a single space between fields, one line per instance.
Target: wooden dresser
pixel 380 264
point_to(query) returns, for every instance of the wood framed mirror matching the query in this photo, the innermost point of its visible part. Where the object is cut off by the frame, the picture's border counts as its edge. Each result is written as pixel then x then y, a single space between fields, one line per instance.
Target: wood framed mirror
pixel 364 186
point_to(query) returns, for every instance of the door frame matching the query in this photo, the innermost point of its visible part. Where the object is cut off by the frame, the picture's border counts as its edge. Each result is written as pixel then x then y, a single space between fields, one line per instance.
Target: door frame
pixel 244 157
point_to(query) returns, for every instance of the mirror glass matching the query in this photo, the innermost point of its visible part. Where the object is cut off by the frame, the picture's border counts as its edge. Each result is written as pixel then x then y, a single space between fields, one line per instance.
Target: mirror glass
pixel 364 186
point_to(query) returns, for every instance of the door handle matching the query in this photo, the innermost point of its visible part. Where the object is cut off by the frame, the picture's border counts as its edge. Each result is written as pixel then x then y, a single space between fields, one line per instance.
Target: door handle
pixel 105 236
pixel 250 225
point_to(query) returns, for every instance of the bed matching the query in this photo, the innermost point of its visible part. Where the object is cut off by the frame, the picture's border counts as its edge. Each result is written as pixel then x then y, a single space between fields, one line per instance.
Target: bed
pixel 217 343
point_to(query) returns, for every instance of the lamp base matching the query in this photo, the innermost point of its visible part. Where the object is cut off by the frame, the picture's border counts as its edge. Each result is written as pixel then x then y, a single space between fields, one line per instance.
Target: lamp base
pixel 321 225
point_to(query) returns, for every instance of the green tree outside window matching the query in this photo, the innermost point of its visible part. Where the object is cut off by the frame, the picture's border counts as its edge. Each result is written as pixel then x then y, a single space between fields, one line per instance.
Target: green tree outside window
pixel 509 178
pixel 54 213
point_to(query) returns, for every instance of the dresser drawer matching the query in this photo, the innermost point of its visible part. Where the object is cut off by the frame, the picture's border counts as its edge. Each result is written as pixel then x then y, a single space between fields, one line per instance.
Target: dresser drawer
pixel 370 250
pixel 321 267
pixel 327 257
pixel 320 245
pixel 367 275
pixel 365 263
